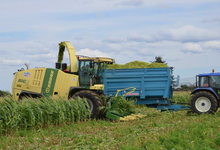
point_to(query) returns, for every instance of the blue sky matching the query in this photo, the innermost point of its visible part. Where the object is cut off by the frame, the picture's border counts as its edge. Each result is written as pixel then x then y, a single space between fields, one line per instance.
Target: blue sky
pixel 186 34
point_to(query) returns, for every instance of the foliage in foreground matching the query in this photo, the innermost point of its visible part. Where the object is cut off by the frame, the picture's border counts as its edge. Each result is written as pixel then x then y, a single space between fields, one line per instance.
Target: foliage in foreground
pixel 119 105
pixel 122 106
pixel 40 112
pixel 4 93
pixel 165 131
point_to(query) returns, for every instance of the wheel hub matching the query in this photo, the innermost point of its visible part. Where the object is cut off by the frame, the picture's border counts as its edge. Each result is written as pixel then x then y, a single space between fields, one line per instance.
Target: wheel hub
pixel 203 104
pixel 90 104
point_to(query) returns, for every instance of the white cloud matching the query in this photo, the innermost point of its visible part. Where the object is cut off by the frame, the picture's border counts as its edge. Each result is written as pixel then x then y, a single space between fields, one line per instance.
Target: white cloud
pixel 11 62
pixel 164 6
pixel 24 7
pixel 114 40
pixel 215 45
pixel 139 38
pixel 91 53
pixel 131 3
pixel 217 19
pixel 192 48
pixel 42 57
pixel 32 48
pixel 146 52
pixel 185 34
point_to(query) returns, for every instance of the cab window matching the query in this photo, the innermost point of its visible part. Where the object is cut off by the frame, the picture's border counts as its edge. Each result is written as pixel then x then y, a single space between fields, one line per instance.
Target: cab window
pixel 204 82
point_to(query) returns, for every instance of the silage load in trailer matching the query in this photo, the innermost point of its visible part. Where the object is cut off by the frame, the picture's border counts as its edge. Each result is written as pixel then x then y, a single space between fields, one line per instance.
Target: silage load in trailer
pixel 137 64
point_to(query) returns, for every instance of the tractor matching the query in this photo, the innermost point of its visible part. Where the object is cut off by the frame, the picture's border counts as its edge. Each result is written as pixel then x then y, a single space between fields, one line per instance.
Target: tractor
pixel 83 78
pixel 205 97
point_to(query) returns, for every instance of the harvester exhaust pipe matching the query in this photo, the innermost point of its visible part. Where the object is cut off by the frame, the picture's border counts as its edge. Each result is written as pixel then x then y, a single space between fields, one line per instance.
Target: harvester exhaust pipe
pixel 26 64
pixel 64 66
pixel 58 65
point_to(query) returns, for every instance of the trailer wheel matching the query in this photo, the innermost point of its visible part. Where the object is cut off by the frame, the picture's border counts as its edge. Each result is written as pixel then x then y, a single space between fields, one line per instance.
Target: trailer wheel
pixel 93 100
pixel 203 102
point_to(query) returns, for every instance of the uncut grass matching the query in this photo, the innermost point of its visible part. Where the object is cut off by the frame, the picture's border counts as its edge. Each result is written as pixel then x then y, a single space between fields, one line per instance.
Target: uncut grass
pixel 166 130
pixel 181 96
pixel 38 113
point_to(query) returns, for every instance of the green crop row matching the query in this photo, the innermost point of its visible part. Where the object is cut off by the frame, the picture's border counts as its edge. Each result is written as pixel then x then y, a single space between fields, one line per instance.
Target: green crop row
pixel 40 112
pixel 4 93
pixel 158 130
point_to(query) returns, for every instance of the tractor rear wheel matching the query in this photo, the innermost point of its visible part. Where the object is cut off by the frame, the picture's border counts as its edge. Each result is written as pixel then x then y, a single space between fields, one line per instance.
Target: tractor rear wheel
pixel 93 100
pixel 203 102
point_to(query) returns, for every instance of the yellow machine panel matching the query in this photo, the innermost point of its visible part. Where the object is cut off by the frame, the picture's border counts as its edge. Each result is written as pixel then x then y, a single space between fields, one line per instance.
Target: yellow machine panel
pixel 63 83
pixel 28 80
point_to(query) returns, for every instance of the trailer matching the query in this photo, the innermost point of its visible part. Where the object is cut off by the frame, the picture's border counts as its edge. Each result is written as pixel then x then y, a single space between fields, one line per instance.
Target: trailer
pixel 153 86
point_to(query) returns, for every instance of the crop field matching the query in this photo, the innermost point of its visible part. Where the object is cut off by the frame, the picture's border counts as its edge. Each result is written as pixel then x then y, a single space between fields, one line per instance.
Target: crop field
pixel 158 130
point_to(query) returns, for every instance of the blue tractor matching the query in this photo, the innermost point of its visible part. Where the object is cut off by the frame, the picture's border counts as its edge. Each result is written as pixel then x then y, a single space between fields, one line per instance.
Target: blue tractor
pixel 205 97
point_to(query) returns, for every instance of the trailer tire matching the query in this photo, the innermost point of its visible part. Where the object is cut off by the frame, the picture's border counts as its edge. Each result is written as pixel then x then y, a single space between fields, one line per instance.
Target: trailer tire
pixel 203 102
pixel 93 100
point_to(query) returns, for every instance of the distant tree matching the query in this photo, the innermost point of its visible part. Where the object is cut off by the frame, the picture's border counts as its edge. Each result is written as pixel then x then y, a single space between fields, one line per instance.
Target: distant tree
pixel 158 59
pixel 187 87
pixel 184 87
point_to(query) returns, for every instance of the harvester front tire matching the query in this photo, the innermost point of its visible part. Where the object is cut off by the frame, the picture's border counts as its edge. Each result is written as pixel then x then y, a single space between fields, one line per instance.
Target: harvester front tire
pixel 203 103
pixel 93 100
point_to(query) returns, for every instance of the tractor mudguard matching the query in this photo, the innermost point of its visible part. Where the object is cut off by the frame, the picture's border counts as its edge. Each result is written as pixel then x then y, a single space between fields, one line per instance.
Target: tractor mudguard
pixel 205 89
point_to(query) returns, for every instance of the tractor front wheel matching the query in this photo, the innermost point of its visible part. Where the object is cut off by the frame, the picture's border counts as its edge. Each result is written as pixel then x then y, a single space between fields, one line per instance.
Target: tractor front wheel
pixel 93 100
pixel 203 102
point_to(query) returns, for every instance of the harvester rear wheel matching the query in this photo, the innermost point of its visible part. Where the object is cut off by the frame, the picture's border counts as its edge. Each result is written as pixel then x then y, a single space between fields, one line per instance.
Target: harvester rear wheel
pixel 93 100
pixel 203 102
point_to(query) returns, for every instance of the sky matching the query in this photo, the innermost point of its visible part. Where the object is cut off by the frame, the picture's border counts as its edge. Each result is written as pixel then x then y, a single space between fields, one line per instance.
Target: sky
pixel 185 33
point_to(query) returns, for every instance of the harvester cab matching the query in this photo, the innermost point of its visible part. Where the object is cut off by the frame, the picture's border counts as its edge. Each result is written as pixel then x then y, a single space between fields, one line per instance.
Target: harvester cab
pixel 84 81
pixel 205 97
pixel 90 70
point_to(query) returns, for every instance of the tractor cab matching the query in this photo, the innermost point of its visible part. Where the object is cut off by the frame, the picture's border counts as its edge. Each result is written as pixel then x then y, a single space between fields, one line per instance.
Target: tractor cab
pixel 209 81
pixel 91 70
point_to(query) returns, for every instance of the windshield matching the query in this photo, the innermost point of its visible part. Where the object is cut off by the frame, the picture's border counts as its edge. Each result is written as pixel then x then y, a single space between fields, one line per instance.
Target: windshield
pixel 99 72
pixel 91 72
pixel 214 81
pixel 103 67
